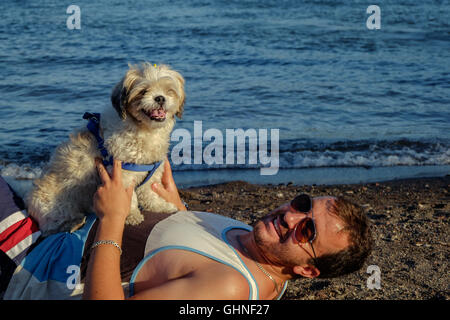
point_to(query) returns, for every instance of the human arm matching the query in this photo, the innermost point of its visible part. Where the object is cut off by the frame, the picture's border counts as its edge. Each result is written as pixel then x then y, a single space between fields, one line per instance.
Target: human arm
pixel 168 189
pixel 112 204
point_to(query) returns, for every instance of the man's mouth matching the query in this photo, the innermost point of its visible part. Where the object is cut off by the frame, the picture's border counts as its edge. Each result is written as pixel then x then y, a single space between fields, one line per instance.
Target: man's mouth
pixel 277 227
pixel 158 114
pixel 280 227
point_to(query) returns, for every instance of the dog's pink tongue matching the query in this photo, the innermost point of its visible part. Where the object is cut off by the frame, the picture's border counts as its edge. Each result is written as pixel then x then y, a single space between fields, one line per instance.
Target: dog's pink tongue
pixel 158 113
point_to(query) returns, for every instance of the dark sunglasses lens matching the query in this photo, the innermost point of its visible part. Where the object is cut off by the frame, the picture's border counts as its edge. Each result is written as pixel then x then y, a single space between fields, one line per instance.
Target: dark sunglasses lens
pixel 301 203
pixel 305 230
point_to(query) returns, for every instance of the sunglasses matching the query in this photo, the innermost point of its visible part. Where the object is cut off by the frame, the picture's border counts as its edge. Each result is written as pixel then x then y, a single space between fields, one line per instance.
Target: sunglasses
pixel 305 230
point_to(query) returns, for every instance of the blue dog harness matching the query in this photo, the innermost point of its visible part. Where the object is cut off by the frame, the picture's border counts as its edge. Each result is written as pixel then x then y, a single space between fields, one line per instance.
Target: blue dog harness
pixel 94 128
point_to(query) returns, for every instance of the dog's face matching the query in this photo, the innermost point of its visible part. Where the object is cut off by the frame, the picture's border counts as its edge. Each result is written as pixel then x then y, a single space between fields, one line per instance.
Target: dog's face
pixel 149 95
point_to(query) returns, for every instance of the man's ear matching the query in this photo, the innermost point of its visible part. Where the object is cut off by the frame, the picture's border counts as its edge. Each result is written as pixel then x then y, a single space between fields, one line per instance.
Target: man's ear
pixel 307 271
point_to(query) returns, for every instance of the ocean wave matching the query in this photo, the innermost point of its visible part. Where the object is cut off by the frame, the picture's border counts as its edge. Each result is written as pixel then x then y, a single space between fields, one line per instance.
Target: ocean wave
pixel 20 172
pixel 293 155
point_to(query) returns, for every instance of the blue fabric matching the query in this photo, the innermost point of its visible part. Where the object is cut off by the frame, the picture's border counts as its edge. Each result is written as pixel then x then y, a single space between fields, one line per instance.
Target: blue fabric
pixel 50 259
pixel 94 127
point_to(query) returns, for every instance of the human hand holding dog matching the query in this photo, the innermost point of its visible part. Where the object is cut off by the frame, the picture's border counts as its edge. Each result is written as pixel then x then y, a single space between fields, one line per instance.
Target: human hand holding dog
pixel 112 201
pixel 168 189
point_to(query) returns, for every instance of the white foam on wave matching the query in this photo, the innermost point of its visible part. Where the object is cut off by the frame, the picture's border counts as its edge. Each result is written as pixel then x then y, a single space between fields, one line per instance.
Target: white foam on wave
pixel 382 158
pixel 20 172
pixel 294 160
pixel 326 158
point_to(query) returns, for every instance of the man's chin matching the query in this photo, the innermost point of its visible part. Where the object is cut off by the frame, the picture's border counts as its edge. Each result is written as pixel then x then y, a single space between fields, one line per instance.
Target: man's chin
pixel 262 234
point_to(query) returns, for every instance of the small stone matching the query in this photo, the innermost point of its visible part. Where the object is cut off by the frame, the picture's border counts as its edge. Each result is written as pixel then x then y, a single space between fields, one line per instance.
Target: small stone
pixel 422 206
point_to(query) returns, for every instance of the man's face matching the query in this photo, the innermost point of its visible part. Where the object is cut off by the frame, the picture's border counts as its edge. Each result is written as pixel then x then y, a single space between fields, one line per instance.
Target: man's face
pixel 274 234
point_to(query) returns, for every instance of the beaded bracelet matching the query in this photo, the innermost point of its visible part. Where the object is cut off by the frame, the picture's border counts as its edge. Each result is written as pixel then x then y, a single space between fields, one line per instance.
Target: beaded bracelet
pixel 107 242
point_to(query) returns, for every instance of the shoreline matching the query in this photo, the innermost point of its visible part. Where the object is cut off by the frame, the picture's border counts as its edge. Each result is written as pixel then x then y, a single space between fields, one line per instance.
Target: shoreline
pixel 410 221
pixel 307 176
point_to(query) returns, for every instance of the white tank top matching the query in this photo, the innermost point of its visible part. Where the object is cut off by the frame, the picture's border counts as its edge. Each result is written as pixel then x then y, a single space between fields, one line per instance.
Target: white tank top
pixel 203 233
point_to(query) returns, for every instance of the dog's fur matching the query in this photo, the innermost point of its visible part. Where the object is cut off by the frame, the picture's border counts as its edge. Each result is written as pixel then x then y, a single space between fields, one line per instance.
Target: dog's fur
pixel 61 197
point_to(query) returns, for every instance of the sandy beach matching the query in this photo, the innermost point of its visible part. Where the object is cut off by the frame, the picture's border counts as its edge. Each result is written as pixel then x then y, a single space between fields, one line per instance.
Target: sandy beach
pixel 410 226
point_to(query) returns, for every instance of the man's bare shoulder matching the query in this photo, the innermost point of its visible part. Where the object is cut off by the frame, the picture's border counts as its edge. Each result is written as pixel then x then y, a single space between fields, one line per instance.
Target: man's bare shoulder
pixel 179 263
pixel 189 275
pixel 228 280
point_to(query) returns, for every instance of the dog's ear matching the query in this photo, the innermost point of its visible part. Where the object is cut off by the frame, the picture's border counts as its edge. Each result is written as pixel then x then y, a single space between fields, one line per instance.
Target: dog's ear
pixel 180 80
pixel 118 99
pixel 179 113
pixel 120 96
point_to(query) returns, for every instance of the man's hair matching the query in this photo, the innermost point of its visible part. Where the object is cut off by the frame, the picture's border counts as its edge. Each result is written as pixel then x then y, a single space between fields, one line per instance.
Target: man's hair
pixel 352 258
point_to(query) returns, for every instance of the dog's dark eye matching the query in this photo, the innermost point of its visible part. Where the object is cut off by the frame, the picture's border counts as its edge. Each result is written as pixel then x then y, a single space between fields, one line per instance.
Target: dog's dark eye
pixel 143 92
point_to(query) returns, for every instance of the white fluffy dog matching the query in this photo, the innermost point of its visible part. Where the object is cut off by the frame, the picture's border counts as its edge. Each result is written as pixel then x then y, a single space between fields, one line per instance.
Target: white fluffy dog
pixel 146 100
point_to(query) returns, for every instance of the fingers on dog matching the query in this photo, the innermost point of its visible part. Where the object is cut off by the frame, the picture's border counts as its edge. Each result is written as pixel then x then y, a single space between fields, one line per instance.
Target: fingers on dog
pixel 117 171
pixel 167 177
pixel 104 176
pixel 131 187
pixel 98 194
pixel 159 189
pixel 167 166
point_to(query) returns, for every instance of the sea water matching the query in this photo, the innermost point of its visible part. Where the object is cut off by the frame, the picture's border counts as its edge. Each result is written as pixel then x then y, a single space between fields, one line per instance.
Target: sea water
pixel 351 104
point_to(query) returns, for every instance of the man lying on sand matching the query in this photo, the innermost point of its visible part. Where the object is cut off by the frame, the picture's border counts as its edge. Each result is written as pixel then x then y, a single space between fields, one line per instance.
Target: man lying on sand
pixel 199 255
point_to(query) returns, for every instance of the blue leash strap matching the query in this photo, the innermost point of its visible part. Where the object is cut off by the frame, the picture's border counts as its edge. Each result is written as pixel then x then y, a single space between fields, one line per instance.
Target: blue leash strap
pixel 151 168
pixel 94 128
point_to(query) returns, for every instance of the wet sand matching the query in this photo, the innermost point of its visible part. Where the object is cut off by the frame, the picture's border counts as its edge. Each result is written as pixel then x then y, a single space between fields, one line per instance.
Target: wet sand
pixel 410 221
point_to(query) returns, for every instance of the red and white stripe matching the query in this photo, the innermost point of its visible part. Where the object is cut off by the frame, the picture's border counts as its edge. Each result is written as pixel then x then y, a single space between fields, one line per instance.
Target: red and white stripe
pixel 18 232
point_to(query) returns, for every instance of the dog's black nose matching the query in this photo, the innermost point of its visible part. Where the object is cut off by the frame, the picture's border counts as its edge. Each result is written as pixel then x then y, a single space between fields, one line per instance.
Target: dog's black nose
pixel 160 99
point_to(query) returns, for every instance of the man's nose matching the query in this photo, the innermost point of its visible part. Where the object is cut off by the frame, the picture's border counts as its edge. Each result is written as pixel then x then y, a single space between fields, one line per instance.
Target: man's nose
pixel 292 217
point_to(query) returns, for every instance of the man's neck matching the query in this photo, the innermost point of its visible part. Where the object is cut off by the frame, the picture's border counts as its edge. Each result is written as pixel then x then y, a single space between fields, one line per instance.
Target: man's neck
pixel 266 273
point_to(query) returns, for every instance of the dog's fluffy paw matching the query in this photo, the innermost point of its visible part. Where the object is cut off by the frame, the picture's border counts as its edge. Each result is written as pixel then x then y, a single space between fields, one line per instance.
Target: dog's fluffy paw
pixel 171 208
pixel 135 218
